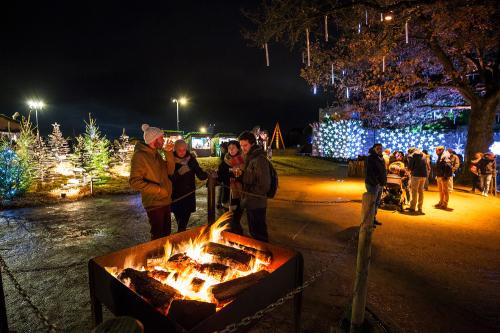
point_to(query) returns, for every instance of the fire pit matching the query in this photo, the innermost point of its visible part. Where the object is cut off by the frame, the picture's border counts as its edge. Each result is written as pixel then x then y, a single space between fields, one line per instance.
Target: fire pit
pixel 200 280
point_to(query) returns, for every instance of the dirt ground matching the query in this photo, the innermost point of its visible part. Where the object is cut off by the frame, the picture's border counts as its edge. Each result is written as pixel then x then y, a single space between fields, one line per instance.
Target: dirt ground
pixel 434 273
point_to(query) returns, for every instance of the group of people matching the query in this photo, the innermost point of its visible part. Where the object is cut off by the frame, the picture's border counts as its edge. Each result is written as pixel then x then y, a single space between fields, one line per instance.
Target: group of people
pixel 164 173
pixel 414 168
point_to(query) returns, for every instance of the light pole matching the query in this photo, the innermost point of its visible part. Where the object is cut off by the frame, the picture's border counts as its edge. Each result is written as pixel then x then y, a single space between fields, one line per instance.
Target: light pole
pixel 36 105
pixel 181 101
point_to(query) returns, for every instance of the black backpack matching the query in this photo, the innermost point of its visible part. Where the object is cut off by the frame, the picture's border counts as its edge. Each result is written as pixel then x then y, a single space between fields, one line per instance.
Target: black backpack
pixel 274 181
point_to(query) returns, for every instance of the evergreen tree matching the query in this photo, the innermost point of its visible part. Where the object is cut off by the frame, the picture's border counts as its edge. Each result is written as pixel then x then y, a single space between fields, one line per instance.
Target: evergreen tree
pixel 57 144
pixel 92 150
pixel 13 172
pixel 40 160
pixel 24 156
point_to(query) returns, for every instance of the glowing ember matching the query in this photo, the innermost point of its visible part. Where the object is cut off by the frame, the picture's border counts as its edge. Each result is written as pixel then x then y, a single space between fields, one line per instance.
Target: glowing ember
pixel 199 267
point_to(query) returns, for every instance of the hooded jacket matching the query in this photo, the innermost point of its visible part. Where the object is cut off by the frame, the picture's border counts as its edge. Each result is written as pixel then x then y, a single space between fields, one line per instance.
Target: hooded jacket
pixel 256 179
pixel 487 165
pixel 149 175
pixel 419 164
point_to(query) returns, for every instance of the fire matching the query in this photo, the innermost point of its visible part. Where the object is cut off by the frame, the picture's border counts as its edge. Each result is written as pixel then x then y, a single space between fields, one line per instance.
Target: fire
pixel 192 268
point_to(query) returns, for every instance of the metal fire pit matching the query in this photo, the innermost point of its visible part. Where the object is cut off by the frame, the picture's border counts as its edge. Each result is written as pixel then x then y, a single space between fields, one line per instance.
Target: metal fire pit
pixel 286 274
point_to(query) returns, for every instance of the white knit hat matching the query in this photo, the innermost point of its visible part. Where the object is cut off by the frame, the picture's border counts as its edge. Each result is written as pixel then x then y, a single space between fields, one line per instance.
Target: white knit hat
pixel 151 133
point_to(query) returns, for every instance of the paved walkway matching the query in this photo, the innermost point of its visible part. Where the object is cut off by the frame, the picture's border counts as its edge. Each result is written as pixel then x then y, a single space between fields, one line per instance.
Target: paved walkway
pixel 438 272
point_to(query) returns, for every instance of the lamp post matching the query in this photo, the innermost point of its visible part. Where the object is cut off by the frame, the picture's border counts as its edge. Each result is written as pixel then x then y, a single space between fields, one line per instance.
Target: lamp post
pixel 181 101
pixel 36 105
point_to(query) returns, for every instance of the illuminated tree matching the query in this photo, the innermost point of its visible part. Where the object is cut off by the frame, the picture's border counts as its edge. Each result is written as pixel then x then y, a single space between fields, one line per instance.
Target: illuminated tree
pixel 13 173
pixel 381 52
pixel 58 145
pixel 92 151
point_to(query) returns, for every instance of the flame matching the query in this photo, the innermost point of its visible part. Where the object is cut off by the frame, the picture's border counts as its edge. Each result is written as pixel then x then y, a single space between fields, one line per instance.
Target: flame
pixel 193 249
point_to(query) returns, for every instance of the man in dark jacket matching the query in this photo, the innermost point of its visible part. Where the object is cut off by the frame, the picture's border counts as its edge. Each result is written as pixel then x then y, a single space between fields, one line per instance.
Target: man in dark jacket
pixel 256 179
pixel 419 167
pixel 487 170
pixel 376 175
pixel 444 171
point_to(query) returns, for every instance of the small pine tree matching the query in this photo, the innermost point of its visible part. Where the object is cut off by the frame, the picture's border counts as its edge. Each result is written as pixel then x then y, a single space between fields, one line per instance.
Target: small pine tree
pixel 23 161
pixel 57 144
pixel 41 161
pixel 13 173
pixel 92 150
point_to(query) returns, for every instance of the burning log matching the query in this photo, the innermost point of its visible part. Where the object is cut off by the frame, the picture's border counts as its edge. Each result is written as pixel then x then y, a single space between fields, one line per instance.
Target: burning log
pixel 180 262
pixel 230 256
pixel 189 313
pixel 196 284
pixel 264 256
pixel 227 291
pixel 157 261
pixel 159 275
pixel 155 292
pixel 215 270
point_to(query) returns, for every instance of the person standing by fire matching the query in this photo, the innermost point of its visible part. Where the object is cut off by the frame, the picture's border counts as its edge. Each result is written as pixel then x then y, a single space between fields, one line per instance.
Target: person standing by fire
pixel 256 179
pixel 151 165
pixel 234 161
pixel 184 185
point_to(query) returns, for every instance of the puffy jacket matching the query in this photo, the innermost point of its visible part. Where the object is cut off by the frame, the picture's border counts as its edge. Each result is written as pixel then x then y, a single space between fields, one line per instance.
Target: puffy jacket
pixel 256 179
pixel 376 173
pixel 419 165
pixel 149 175
pixel 486 166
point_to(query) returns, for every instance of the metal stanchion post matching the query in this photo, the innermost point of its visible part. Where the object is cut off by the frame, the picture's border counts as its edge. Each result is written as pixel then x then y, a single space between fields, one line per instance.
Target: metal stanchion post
pixel 211 198
pixel 4 328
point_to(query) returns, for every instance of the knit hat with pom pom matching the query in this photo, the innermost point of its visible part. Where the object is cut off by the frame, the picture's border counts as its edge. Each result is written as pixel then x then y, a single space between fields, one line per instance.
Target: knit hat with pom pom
pixel 151 133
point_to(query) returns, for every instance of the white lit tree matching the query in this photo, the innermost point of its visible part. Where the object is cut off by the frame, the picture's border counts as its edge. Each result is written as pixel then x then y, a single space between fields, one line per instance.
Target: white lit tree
pixel 92 151
pixel 122 156
pixel 59 150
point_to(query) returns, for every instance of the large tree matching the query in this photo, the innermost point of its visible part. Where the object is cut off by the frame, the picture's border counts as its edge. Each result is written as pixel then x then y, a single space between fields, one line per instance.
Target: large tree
pixel 385 52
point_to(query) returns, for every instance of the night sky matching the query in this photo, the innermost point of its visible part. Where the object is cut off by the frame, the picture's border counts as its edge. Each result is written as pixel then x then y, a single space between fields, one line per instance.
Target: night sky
pixel 123 63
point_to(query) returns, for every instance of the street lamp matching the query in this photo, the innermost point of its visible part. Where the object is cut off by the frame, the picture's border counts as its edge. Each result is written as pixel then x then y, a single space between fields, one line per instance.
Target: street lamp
pixel 181 101
pixel 36 105
pixel 203 129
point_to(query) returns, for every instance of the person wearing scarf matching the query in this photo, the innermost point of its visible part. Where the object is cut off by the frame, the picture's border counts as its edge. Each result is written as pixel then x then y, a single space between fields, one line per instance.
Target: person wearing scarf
pixel 234 160
pixel 183 184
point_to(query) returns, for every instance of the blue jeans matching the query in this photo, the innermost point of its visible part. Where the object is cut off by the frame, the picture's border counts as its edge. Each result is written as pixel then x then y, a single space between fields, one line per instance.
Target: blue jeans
pixel 377 190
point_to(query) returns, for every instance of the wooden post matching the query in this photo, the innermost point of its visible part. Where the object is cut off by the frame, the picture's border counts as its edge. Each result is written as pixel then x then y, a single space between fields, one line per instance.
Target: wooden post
pixel 4 327
pixel 363 262
pixel 211 198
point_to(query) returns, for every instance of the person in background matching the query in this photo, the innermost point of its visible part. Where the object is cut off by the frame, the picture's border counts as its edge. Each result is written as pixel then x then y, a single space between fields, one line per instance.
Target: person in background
pixel 183 183
pixel 223 178
pixel 256 179
pixel 443 172
pixel 376 175
pixel 387 157
pixel 234 160
pixel 487 168
pixel 455 164
pixel 149 174
pixel 419 168
pixel 429 161
pixel 476 182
